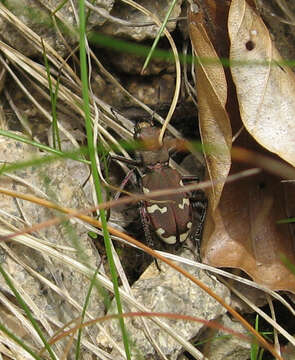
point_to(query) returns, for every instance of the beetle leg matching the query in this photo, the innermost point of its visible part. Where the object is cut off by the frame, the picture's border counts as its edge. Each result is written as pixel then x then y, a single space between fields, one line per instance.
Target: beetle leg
pixel 199 205
pixel 131 162
pixel 190 178
pixel 147 230
pixel 123 184
pixel 145 224
pixel 190 244
pixel 199 202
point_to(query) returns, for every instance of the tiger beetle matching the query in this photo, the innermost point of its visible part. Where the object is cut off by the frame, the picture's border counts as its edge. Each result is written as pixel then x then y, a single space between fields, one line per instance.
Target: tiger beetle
pixel 169 216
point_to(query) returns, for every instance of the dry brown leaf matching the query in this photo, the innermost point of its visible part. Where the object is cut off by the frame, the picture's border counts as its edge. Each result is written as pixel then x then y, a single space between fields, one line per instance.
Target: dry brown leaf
pixel 246 234
pixel 214 123
pixel 266 92
pixel 243 231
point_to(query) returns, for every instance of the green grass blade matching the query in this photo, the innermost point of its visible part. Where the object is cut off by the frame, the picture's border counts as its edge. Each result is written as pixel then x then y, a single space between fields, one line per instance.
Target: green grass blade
pixel 28 312
pixel 155 43
pixel 287 263
pixel 261 352
pixel 19 342
pixel 74 155
pixel 255 346
pixel 84 78
pixel 87 299
pixel 39 161
pixel 62 3
pixel 129 47
pixel 286 221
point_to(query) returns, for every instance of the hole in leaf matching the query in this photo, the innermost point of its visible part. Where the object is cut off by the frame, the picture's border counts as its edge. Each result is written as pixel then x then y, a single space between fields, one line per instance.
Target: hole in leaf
pixel 250 45
pixel 262 185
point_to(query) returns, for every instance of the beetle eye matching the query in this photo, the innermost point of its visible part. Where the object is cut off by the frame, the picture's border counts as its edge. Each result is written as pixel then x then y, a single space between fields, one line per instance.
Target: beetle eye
pixel 137 134
pixel 141 125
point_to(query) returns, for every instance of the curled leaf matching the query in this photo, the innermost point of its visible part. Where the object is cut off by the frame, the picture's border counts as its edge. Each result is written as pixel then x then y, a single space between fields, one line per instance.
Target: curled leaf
pixel 265 87
pixel 214 123
pixel 247 234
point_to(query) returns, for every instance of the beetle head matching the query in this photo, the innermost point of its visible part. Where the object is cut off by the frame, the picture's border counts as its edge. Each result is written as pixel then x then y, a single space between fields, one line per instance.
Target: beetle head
pixel 148 134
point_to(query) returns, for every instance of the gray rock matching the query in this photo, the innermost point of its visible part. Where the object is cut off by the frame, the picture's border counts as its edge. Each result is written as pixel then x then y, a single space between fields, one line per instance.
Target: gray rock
pixel 37 16
pixel 139 33
pixel 169 291
pixel 225 346
pixel 54 179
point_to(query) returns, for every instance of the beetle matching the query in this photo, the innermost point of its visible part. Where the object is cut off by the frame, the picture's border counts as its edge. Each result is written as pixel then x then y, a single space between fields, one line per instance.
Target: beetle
pixel 170 216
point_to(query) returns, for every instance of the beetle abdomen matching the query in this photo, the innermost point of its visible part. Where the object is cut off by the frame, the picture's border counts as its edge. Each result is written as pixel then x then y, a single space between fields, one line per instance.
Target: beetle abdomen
pixel 170 215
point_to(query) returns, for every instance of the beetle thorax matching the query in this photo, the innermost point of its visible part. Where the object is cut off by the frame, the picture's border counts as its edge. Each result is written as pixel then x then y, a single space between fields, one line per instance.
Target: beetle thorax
pixel 160 156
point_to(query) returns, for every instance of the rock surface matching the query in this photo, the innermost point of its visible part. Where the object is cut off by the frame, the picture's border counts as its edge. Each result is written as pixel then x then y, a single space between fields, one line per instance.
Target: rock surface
pixel 20 261
pixel 132 15
pixel 36 15
pixel 168 291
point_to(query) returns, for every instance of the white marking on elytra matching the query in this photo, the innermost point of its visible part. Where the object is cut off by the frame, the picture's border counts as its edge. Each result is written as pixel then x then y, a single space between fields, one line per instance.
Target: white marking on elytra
pixel 181 183
pixel 185 201
pixel 160 231
pixel 145 190
pixel 183 236
pixel 168 240
pixel 151 209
